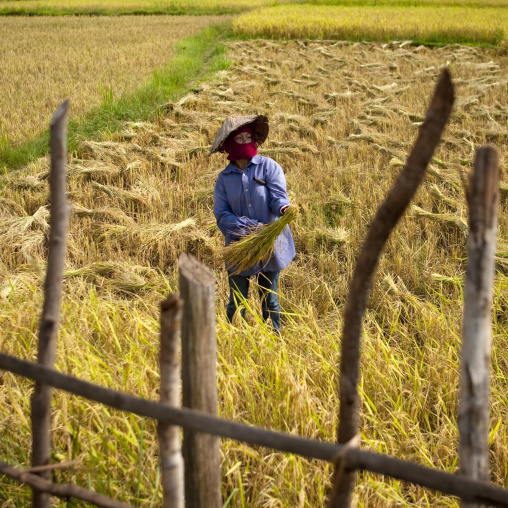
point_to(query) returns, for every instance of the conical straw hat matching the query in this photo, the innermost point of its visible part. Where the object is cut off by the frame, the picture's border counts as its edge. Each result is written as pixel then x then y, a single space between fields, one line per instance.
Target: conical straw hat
pixel 259 124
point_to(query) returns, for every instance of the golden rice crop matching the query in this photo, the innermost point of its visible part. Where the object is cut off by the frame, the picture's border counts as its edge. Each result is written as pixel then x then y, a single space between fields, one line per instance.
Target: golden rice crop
pixel 456 3
pixel 87 59
pixel 382 23
pixel 341 143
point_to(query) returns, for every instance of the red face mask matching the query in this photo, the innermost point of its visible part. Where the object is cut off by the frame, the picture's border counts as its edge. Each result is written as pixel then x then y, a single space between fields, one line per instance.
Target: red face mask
pixel 236 150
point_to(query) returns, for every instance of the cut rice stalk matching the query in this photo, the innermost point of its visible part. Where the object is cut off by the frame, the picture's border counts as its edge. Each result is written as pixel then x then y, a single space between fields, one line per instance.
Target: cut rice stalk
pixel 442 218
pixel 258 245
pixel 435 191
pixel 437 277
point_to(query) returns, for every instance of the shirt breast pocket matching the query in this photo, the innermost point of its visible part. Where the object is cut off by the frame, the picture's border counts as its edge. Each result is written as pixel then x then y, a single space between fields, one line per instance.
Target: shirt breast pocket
pixel 260 190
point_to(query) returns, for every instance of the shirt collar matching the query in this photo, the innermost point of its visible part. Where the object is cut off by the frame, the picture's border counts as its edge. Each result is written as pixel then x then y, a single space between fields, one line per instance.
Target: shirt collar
pixel 231 168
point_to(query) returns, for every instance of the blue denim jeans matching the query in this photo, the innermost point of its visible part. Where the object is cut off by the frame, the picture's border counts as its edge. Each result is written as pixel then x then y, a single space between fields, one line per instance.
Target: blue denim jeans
pixel 267 282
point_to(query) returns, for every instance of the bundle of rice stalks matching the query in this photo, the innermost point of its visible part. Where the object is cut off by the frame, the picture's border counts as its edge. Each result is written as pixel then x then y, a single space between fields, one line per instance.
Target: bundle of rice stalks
pixel 395 163
pixel 258 245
pixel 147 234
pixel 442 218
pixel 27 183
pixel 118 277
pixel 84 169
pixel 14 227
pixel 447 179
pixel 104 151
pixel 398 289
pixel 287 117
pixel 23 238
pixel 306 131
pixel 196 150
pixel 121 194
pixel 437 277
pixel 130 283
pixel 436 193
pixel 122 136
pixel 331 237
pixel 304 146
pixel 11 207
pixel 114 214
pixel 91 272
pixel 396 154
pixel 370 137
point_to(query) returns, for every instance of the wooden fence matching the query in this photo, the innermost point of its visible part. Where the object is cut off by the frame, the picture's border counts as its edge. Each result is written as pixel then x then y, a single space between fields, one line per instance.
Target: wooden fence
pixel 191 472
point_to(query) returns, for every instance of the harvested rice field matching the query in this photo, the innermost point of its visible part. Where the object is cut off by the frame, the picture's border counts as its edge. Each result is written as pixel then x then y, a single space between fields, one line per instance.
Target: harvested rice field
pixel 343 118
pixel 53 7
pixel 91 60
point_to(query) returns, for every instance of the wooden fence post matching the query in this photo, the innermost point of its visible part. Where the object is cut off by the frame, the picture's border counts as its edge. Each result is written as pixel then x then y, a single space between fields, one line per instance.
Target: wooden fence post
pixel 384 221
pixel 169 435
pixel 41 399
pixel 483 200
pixel 201 452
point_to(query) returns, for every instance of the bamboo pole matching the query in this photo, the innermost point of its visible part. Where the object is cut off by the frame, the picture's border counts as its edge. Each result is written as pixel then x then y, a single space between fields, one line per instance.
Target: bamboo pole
pixel 201 452
pixel 455 485
pixel 63 490
pixel 41 400
pixel 169 435
pixel 385 220
pixel 483 200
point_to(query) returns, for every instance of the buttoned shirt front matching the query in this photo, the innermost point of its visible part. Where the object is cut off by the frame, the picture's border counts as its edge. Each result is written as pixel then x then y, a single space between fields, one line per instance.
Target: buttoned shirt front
pixel 254 196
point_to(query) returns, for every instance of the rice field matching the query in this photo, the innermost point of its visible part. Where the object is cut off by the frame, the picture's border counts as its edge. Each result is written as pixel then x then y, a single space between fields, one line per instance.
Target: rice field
pixel 423 23
pixel 410 3
pixel 343 118
pixel 91 60
pixel 199 7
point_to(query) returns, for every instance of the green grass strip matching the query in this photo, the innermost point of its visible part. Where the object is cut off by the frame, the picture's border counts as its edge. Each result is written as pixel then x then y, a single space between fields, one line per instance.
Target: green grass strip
pixel 196 58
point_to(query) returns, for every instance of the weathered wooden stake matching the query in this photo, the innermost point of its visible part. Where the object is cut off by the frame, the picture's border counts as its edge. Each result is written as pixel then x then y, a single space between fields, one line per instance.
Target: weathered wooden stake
pixel 41 400
pixel 201 452
pixel 385 220
pixel 169 435
pixel 483 200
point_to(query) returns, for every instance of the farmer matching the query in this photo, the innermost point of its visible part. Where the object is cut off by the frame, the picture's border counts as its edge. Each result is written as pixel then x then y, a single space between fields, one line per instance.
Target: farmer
pixel 249 192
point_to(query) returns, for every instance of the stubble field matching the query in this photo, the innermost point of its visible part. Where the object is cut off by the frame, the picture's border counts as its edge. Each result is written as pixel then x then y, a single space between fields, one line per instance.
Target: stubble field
pixel 126 7
pixel 342 118
pixel 91 60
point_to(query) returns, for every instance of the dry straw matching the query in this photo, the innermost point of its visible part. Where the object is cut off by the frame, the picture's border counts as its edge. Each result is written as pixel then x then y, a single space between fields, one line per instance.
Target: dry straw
pixel 258 245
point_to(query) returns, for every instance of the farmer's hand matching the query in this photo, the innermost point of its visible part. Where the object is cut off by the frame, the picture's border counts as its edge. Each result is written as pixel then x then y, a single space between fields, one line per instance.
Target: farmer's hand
pixel 283 209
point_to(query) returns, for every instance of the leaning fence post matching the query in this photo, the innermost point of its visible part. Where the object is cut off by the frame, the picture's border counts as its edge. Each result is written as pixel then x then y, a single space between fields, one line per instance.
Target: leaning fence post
pixel 384 221
pixel 201 452
pixel 46 352
pixel 483 200
pixel 169 435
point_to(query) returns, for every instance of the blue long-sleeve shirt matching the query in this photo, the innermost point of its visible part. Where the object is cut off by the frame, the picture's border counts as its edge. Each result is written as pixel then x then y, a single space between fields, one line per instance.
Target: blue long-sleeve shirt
pixel 243 199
